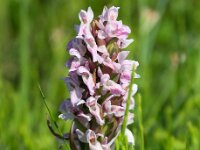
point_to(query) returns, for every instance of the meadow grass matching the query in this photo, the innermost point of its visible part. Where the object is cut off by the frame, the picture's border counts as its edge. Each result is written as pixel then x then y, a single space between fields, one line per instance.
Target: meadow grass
pixel 33 38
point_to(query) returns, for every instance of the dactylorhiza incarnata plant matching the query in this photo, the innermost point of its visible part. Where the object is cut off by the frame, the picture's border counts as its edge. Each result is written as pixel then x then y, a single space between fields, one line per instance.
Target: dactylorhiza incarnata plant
pixel 98 81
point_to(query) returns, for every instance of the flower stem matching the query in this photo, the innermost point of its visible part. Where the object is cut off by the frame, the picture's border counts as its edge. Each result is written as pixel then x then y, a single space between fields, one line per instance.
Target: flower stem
pixel 127 105
pixel 140 122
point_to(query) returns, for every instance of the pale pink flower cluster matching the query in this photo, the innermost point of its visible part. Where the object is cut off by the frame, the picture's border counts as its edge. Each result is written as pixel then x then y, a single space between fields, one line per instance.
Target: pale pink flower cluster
pixel 98 81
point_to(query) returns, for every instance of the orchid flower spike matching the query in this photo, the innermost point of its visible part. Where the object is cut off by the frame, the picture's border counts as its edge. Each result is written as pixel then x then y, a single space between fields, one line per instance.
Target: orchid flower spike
pixel 98 81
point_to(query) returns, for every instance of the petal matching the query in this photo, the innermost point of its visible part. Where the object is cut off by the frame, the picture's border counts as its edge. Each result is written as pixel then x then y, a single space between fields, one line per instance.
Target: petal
pixel 90 14
pixel 122 31
pixel 117 67
pixel 135 64
pixel 96 146
pixel 65 106
pixel 114 88
pixel 90 41
pixel 76 95
pixel 74 78
pixel 129 65
pixel 130 118
pixel 112 13
pixel 87 78
pixel 98 85
pixel 111 28
pixel 103 50
pixel 80 102
pixel 105 145
pixel 117 29
pixel 107 107
pixel 83 16
pixel 77 43
pixel 99 59
pixel 123 43
pixel 134 89
pixel 118 111
pixel 107 104
pixel 74 52
pixel 66 116
pixel 136 76
pixel 102 34
pixel 94 109
pixel 92 140
pixel 74 65
pixel 75 98
pixel 122 56
pixel 100 25
pixel 92 47
pixel 69 62
pixel 83 30
pixel 104 78
pixel 81 136
pixel 108 62
pixel 75 91
pixel 125 77
pixel 132 103
pixel 102 16
pixel 130 136
pixel 66 109
pixel 86 17
pixel 84 119
pixel 99 72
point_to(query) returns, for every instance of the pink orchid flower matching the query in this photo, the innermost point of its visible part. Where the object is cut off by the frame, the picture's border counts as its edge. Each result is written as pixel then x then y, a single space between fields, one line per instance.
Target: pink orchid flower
pixel 98 81
pixel 95 109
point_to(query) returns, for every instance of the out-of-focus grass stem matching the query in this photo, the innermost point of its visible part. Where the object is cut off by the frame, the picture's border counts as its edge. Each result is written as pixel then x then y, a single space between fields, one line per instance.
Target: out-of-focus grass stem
pixel 139 113
pixel 24 49
pixel 21 105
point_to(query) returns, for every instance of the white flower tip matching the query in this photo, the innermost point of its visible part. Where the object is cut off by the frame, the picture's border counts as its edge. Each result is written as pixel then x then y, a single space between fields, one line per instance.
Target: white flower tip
pixel 130 136
pixel 135 64
pixel 136 76
pixel 90 13
pixel 80 102
pixel 62 116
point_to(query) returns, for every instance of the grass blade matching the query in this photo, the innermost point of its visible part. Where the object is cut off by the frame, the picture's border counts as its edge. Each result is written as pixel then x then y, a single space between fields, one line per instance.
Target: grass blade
pixel 51 117
pixel 139 113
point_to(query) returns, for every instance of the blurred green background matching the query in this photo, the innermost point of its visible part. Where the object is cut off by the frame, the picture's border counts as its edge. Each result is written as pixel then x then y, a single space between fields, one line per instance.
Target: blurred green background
pixel 33 37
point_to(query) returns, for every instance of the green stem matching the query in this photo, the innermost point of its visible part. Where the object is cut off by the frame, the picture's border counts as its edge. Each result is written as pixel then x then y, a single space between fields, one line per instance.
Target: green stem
pixel 127 105
pixel 140 122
